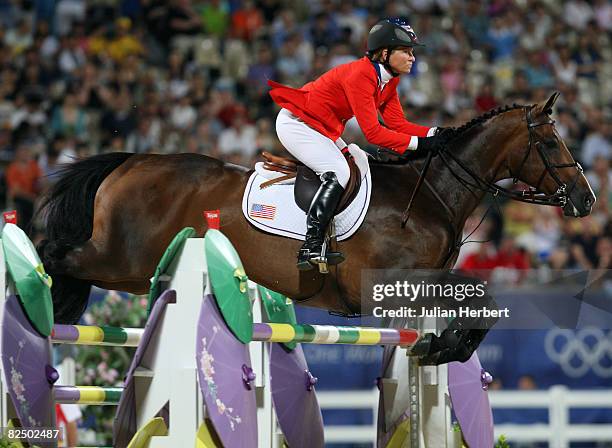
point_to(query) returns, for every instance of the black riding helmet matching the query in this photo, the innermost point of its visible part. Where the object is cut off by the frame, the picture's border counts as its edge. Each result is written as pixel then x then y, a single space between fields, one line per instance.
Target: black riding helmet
pixel 391 33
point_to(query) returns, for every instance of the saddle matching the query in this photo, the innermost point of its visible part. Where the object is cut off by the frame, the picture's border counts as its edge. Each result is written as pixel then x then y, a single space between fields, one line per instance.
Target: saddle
pixel 307 182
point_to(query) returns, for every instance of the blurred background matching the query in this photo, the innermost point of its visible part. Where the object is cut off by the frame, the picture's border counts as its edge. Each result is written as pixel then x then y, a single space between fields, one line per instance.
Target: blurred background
pixel 79 78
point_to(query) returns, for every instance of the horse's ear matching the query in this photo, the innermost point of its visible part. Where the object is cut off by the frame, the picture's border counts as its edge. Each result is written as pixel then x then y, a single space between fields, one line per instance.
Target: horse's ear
pixel 547 108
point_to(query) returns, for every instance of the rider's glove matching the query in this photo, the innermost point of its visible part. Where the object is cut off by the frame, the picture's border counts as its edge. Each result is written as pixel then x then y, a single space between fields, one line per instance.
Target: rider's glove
pixel 434 143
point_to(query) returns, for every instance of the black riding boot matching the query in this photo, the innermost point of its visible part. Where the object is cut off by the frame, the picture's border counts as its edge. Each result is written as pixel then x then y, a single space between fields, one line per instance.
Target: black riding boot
pixel 320 214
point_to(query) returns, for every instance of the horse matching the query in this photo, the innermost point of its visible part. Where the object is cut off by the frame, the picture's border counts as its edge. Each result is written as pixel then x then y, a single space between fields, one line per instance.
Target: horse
pixel 110 217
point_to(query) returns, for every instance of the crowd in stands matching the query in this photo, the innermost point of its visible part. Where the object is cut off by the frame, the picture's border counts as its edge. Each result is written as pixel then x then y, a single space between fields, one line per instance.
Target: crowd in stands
pixel 78 78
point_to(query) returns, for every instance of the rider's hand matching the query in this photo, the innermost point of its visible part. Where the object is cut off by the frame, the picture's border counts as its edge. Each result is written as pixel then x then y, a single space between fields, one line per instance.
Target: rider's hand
pixel 436 142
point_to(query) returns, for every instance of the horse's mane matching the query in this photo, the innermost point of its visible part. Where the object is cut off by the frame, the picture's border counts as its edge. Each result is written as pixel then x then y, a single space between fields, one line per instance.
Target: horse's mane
pixel 484 117
pixel 457 132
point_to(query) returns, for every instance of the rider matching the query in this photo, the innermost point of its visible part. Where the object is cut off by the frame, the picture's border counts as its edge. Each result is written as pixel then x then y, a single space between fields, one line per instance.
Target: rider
pixel 313 117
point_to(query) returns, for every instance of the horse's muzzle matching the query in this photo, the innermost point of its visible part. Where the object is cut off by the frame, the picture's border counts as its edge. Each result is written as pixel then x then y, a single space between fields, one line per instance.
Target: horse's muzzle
pixel 579 203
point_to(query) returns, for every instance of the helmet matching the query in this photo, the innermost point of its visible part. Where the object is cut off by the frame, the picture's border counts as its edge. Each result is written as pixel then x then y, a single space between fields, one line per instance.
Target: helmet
pixel 392 32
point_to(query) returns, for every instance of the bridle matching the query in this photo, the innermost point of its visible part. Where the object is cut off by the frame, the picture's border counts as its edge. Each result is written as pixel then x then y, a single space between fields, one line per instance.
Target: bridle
pixel 532 196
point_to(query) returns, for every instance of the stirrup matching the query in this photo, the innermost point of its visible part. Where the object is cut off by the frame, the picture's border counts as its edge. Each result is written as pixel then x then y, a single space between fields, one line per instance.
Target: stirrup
pixel 303 262
pixel 307 260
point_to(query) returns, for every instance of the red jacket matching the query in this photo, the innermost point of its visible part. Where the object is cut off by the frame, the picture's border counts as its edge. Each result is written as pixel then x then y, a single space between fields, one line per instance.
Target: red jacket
pixel 351 90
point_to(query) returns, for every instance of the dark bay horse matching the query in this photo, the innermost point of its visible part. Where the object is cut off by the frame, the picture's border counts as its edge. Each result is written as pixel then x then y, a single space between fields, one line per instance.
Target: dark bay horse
pixel 110 217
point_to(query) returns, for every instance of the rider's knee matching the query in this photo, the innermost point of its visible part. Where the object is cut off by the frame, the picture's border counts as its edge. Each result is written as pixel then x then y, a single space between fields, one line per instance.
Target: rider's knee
pixel 343 175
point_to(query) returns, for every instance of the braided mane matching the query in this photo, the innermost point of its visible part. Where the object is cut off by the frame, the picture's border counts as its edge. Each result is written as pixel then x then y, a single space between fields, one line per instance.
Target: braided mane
pixel 484 117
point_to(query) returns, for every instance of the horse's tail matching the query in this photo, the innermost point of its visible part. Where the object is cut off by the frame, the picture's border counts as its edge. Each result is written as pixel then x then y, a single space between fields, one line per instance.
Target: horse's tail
pixel 67 211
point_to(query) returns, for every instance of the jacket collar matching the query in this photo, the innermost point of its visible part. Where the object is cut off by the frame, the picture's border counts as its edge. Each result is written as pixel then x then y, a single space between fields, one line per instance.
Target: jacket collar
pixel 382 74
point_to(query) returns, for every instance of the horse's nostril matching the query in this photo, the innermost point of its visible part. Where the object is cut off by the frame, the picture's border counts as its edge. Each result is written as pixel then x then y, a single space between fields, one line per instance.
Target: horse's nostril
pixel 588 201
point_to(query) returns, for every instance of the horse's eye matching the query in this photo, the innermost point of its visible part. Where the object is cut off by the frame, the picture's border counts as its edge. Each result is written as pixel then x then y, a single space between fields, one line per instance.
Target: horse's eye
pixel 551 144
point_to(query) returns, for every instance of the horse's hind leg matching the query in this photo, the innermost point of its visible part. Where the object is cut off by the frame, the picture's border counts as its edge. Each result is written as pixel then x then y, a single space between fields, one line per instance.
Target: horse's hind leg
pixel 107 268
pixel 70 294
pixel 75 268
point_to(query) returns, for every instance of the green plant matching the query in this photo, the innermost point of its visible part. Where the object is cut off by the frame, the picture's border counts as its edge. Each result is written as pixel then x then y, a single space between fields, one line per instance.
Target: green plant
pixel 502 442
pixel 106 365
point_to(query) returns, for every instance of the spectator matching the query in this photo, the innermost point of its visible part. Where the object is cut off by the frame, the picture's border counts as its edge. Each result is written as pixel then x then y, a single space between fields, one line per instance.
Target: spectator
pixel 239 138
pixel 19 39
pixel 588 58
pixel 526 382
pixel 564 67
pixel 324 31
pixel 597 142
pixel 144 139
pixel 584 244
pixel 174 18
pixel 49 165
pixel 23 182
pixel 559 258
pixel 349 17
pixel 71 56
pixel 521 92
pixel 578 13
pixel 29 111
pixel 69 118
pixel 68 416
pixel 124 44
pixel 474 20
pixel 511 262
pixel 183 114
pixel 604 253
pixel 509 255
pixel 207 139
pixel 260 71
pixel 67 13
pixel 247 21
pixel 119 119
pixel 537 71
pixel 485 100
pixel 568 127
pixel 481 263
pixel 600 179
pixel 215 17
pixel 603 14
pixel 503 37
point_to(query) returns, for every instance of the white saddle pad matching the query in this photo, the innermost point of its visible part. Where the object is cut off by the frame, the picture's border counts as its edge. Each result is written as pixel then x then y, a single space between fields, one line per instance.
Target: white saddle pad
pixel 274 210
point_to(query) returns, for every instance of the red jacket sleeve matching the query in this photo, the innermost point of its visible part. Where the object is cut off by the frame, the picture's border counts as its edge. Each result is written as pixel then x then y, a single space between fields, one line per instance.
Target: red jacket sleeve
pixel 393 115
pixel 360 89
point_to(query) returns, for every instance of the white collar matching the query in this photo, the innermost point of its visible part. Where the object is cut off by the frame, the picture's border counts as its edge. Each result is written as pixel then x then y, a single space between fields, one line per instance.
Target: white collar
pixel 385 76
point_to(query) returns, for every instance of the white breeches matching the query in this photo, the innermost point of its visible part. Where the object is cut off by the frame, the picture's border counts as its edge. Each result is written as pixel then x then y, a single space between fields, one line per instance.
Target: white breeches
pixel 313 149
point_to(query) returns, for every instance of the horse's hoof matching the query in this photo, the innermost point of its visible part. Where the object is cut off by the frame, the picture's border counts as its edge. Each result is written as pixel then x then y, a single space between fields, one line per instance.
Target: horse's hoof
pixel 449 338
pixel 422 346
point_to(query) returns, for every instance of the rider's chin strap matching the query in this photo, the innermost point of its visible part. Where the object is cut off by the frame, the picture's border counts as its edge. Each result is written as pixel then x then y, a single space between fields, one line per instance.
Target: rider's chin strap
pixel 387 64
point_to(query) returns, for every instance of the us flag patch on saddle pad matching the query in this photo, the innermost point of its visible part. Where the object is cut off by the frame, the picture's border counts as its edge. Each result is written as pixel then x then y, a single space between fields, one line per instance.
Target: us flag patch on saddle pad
pixel 262 211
